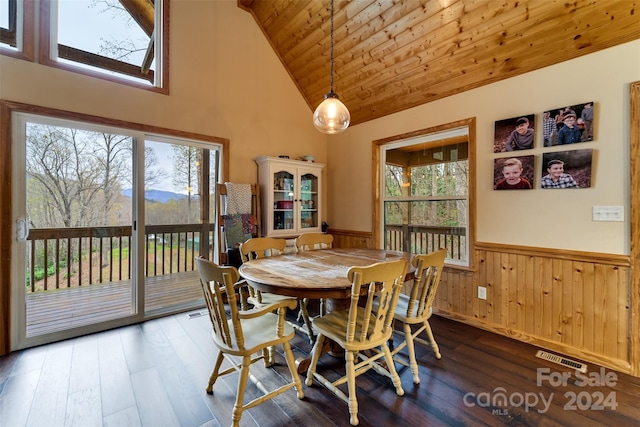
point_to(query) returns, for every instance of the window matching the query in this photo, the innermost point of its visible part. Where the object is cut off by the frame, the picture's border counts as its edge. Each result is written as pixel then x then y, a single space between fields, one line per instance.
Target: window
pixel 426 201
pixel 16 28
pixel 8 24
pixel 125 42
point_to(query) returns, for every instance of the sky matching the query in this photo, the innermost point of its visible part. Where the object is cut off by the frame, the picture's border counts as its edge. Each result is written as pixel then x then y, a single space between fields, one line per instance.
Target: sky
pixel 4 19
pixel 83 24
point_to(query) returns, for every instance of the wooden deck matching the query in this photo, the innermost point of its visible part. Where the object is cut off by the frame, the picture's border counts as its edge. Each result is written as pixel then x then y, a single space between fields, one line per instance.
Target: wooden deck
pixel 67 308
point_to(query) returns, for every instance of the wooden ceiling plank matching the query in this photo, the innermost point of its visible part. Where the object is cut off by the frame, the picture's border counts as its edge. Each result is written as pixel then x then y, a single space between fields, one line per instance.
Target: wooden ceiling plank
pixel 386 101
pixel 376 72
pixel 514 52
pixel 318 44
pixel 396 54
pixel 310 27
pixel 296 24
pixel 267 13
pixel 431 22
pixel 443 40
pixel 390 53
pixel 358 45
pixel 414 14
pixel 382 75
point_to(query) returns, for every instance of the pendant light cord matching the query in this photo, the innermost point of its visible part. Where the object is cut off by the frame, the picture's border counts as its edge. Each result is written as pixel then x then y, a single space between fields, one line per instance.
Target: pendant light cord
pixel 331 53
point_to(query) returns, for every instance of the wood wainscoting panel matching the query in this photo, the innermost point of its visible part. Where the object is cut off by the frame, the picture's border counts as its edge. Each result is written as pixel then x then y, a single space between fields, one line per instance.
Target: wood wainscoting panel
pixel 556 301
pixel 351 239
pixel 571 302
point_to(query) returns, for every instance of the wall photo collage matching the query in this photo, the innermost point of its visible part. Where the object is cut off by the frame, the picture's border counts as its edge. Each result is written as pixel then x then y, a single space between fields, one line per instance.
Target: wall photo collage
pixel 557 169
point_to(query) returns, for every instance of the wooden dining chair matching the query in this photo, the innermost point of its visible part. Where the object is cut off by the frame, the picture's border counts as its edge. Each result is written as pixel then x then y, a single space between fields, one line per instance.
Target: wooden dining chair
pixel 240 334
pixel 312 242
pixel 363 326
pixel 416 308
pixel 260 247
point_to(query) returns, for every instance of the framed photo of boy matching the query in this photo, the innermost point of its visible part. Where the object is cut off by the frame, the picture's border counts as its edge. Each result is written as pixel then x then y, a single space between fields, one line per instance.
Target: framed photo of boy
pixel 514 134
pixel 568 125
pixel 567 169
pixel 513 173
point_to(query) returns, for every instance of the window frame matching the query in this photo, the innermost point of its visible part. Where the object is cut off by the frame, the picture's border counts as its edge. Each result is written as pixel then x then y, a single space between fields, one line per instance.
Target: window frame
pixel 24 33
pixel 162 59
pixel 380 147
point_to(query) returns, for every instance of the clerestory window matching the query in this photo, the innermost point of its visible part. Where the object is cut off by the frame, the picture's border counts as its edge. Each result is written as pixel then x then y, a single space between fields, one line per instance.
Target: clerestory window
pixel 16 28
pixel 126 41
pixel 118 40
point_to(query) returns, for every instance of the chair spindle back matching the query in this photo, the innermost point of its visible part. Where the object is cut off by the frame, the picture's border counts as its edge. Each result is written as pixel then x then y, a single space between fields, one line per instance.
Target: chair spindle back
pixel 260 247
pixel 313 241
pixel 372 321
pixel 427 278
pixel 217 284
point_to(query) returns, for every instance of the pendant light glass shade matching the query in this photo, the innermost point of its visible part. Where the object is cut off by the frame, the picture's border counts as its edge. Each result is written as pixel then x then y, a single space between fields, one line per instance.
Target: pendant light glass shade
pixel 331 116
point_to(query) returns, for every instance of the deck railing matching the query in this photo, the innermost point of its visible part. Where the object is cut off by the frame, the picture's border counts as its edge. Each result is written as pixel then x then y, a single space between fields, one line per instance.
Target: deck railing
pixel 419 239
pixel 70 257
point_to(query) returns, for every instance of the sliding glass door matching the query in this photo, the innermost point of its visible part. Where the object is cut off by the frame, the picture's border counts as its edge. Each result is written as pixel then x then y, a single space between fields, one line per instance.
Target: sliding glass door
pixel 109 222
pixel 178 220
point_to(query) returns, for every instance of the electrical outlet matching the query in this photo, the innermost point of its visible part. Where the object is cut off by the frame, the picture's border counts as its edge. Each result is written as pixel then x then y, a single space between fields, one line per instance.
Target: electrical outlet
pixel 482 292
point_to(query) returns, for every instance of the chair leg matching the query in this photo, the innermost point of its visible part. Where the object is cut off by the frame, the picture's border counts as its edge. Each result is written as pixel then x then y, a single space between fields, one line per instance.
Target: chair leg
pixel 315 355
pixel 269 356
pixel 351 385
pixel 303 303
pixel 244 305
pixel 408 336
pixel 242 385
pixel 291 363
pixel 214 373
pixel 307 321
pixel 395 378
pixel 432 340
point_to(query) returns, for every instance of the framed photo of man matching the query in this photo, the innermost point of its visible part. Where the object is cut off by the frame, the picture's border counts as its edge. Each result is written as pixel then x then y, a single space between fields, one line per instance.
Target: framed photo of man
pixel 514 134
pixel 567 169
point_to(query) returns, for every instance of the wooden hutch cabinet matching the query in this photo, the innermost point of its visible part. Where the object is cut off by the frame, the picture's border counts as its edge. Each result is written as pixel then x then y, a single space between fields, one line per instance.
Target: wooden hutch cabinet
pixel 290 192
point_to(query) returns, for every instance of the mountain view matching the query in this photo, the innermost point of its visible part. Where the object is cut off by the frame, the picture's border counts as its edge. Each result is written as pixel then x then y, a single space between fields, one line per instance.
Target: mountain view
pixel 157 195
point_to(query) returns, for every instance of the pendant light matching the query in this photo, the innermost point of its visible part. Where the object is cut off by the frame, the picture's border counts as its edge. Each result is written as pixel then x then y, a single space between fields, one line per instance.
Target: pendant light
pixel 331 116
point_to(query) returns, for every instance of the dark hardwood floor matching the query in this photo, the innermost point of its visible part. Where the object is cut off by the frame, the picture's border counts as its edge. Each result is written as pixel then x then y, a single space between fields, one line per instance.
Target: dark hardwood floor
pixel 155 373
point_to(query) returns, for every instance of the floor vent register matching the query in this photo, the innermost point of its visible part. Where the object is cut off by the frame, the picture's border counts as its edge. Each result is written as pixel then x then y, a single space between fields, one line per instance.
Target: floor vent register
pixel 560 360
pixel 196 314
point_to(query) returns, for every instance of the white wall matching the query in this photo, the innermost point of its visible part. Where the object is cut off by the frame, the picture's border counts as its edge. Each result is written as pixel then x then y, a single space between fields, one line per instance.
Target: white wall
pixel 541 218
pixel 226 82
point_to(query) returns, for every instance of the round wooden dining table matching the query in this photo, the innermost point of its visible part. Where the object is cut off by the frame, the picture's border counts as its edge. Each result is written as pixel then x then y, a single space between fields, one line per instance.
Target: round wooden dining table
pixel 320 274
pixel 315 274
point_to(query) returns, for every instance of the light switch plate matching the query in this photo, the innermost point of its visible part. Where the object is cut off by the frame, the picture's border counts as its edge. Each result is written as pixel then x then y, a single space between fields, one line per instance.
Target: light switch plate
pixel 482 292
pixel 608 213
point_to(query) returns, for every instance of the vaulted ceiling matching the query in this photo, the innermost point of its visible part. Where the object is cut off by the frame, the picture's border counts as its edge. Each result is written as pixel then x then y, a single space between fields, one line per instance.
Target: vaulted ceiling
pixel 391 55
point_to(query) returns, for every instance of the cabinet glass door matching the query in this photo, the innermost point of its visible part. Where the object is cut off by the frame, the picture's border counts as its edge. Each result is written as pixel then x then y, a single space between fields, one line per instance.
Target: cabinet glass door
pixel 283 191
pixel 308 201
